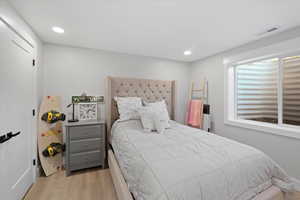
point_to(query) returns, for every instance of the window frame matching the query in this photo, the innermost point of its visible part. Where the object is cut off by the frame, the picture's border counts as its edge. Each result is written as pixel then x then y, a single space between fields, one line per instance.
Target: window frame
pixel 230 94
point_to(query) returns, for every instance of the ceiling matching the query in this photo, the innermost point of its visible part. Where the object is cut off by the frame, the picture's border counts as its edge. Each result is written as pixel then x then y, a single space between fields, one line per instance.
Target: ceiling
pixel 158 28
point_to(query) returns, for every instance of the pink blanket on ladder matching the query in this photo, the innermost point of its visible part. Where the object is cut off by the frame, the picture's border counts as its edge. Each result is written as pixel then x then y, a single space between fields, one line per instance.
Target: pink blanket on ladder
pixel 195 114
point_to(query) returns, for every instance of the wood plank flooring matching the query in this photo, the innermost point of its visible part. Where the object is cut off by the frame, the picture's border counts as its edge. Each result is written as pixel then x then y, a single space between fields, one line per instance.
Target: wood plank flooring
pixel 94 184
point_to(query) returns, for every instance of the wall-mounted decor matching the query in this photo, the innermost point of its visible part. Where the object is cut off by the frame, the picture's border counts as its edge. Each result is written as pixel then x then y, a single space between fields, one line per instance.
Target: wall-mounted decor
pixel 87 99
pixel 87 111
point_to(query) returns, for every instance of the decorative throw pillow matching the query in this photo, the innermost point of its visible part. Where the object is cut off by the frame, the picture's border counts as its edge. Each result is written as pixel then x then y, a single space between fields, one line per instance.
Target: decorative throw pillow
pixel 160 124
pixel 128 107
pixel 160 109
pixel 147 118
pixel 152 120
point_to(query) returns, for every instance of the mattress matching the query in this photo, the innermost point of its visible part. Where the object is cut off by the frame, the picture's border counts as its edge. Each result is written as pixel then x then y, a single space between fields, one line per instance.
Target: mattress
pixel 187 164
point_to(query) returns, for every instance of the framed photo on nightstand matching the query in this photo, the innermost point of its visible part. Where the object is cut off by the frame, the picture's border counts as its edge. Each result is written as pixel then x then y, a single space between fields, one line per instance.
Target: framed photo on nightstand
pixel 87 111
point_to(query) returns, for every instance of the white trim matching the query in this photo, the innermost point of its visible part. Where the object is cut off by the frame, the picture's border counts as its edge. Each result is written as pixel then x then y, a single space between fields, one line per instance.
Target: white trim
pixel 34 123
pixel 235 87
pixel 229 88
pixel 280 92
pixel 16 32
pixel 275 129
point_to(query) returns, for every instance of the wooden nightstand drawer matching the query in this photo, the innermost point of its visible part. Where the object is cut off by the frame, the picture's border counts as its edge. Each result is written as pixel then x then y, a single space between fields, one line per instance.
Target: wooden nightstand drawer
pixel 80 146
pixel 85 132
pixel 85 160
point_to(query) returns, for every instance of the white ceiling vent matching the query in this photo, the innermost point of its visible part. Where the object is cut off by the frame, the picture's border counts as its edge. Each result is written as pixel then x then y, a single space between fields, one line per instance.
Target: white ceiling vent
pixel 269 31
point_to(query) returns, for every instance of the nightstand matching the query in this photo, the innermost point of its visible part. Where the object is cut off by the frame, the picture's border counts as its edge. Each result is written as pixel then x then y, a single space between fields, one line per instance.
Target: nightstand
pixel 85 145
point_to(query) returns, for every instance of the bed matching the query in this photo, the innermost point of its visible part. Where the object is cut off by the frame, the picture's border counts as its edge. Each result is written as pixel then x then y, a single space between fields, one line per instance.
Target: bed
pixel 183 163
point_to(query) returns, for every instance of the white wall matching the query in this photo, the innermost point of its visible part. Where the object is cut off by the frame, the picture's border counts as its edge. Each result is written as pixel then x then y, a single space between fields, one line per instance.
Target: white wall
pixel 70 71
pixel 282 149
pixel 8 13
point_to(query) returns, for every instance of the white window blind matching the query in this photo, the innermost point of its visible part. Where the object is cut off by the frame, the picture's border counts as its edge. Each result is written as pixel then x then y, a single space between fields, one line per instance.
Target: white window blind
pixel 256 91
pixel 291 90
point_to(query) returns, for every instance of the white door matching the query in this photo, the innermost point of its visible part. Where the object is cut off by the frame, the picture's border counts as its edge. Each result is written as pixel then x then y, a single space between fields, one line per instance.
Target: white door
pixel 16 102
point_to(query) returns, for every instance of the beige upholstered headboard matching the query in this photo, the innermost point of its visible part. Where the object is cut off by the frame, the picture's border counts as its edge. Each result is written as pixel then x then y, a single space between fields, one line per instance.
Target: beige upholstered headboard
pixel 148 90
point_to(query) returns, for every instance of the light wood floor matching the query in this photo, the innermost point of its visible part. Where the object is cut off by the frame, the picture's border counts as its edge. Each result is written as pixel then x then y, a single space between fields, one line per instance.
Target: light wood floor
pixel 95 184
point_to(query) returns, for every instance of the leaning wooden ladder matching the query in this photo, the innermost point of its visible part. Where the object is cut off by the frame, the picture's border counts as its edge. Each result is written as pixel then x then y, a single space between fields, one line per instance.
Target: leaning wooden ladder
pixel 200 92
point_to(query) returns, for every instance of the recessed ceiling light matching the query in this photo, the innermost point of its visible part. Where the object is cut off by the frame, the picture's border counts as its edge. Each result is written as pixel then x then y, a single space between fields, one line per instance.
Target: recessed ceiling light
pixel 57 29
pixel 187 52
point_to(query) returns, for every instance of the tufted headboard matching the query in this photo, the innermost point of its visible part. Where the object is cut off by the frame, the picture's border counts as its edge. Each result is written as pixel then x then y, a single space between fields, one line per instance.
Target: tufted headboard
pixel 148 90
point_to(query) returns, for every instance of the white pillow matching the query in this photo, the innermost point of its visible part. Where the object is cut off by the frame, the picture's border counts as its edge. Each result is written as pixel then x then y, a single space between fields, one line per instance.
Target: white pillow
pixel 151 120
pixel 160 124
pixel 147 119
pixel 128 106
pixel 160 108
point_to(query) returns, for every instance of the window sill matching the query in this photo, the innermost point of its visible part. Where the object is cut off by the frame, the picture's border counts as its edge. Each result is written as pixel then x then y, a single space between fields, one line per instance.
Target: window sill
pixel 275 129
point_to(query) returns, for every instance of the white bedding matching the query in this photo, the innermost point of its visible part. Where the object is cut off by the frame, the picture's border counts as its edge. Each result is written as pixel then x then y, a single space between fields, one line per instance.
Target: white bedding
pixel 189 164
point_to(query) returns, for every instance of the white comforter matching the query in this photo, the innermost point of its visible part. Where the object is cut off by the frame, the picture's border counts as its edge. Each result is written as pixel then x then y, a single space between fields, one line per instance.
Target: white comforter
pixel 189 164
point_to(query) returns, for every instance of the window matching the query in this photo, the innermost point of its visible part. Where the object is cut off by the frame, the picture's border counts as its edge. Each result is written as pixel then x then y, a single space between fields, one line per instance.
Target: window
pixel 256 91
pixel 291 90
pixel 264 93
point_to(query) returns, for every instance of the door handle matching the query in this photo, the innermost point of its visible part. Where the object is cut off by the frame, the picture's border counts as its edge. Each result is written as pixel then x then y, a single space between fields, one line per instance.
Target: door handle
pixel 8 136
pixel 11 135
pixel 5 138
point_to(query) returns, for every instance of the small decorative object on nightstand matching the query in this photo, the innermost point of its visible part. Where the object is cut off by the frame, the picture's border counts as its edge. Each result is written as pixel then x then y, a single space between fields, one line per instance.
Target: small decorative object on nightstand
pixel 85 145
pixel 87 111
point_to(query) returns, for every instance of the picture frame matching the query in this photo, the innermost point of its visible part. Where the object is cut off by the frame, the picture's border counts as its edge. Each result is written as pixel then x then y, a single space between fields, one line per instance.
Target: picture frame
pixel 87 111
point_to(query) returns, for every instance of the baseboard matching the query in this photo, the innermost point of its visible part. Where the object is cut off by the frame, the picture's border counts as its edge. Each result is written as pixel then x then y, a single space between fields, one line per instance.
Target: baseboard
pixel 297 184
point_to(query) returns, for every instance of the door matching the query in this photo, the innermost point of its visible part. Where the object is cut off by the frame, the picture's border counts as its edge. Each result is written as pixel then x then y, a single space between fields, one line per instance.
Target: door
pixel 16 102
